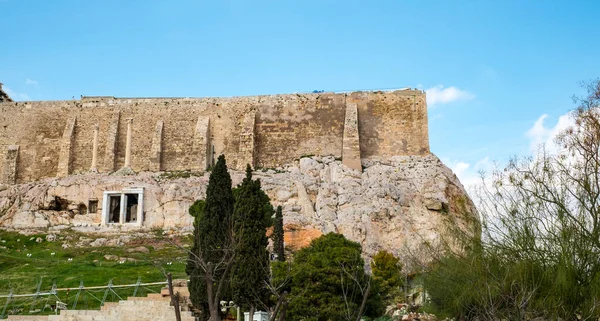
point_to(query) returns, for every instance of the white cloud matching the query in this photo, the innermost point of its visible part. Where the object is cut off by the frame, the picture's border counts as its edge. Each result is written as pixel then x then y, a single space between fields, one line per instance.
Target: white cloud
pixel 31 82
pixel 542 132
pixel 439 95
pixel 460 168
pixel 15 95
pixel 470 175
pixel 539 134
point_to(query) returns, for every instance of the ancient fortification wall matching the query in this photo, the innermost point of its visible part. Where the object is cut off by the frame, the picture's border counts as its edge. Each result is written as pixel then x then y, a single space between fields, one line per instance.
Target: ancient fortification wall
pixel 58 138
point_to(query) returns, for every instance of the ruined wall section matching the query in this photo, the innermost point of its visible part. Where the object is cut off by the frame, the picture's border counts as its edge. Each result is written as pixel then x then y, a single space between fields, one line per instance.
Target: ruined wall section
pixel 286 127
pixel 81 159
pixel 179 117
pixel 291 126
pixel 155 161
pixel 38 132
pixel 392 123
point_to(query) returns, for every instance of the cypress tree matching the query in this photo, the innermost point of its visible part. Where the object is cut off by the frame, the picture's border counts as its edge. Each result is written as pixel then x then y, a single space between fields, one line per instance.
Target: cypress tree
pixel 252 215
pixel 212 235
pixel 278 247
pixel 197 286
pixel 215 227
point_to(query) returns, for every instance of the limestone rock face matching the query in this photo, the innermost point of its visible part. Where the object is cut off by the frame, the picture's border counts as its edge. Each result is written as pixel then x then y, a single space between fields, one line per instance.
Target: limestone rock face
pixel 406 204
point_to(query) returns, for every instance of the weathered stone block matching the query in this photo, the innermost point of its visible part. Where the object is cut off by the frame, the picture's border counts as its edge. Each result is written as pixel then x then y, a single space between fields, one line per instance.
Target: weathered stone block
pixel 351 141
pixel 10 165
pixel 66 144
pixel 111 143
pixel 246 150
pixel 156 150
pixel 201 149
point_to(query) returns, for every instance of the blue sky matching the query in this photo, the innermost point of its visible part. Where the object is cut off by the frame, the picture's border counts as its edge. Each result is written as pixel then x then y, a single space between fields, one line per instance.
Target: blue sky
pixel 492 69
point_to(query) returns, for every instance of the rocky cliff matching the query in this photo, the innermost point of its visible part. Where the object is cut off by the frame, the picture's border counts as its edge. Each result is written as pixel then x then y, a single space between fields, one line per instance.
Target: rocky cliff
pixel 406 204
pixel 4 98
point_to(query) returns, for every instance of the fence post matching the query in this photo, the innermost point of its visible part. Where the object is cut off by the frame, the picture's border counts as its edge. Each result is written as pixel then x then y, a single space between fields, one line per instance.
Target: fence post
pixel 174 300
pixel 137 285
pixel 106 292
pixel 78 293
pixel 37 295
pixel 2 315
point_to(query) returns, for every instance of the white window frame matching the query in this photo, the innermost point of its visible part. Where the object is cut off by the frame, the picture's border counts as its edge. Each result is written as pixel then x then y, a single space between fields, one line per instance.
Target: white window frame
pixel 130 190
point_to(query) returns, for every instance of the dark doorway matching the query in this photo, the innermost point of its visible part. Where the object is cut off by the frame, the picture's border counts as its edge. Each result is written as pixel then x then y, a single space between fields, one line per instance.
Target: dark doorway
pixel 92 206
pixel 132 208
pixel 82 209
pixel 114 213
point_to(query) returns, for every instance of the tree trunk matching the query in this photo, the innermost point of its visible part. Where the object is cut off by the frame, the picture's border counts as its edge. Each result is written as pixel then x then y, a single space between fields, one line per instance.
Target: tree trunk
pixel 364 302
pixel 215 314
pixel 278 306
pixel 283 310
pixel 213 302
pixel 251 313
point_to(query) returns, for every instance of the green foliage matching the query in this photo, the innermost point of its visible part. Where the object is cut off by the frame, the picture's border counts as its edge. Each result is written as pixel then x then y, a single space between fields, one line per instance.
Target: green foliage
pixel 519 276
pixel 486 284
pixel 231 225
pixel 387 274
pixel 278 246
pixel 281 274
pixel 212 230
pixel 197 285
pixel 538 257
pixel 197 210
pixel 21 272
pixel 326 279
pixel 252 213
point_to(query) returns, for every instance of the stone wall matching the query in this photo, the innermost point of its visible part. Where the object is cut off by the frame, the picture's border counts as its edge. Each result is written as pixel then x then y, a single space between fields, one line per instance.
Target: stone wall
pixel 55 138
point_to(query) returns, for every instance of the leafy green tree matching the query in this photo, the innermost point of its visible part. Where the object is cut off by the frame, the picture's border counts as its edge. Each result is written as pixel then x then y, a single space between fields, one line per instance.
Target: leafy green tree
pixel 538 257
pixel 212 254
pixel 328 281
pixel 387 275
pixel 250 273
pixel 278 246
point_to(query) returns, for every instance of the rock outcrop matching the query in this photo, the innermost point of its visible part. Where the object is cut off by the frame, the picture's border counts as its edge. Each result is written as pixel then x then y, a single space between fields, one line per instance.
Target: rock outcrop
pixel 4 98
pixel 406 204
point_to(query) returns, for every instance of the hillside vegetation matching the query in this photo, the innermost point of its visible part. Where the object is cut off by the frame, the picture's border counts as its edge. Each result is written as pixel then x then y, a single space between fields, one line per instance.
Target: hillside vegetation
pixel 27 259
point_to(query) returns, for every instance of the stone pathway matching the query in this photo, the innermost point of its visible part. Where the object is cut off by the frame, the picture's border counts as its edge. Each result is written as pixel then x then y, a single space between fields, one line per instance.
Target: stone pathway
pixel 154 307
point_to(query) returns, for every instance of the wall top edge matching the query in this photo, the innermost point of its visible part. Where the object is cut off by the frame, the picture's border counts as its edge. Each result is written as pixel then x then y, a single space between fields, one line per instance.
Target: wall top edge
pixel 109 99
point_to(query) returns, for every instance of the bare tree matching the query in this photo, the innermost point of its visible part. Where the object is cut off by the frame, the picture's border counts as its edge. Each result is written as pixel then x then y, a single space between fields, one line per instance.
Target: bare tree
pixel 545 210
pixel 279 287
pixel 354 282
pixel 538 254
pixel 216 275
